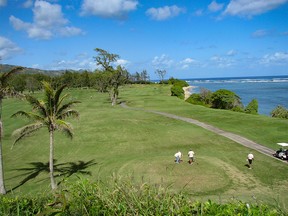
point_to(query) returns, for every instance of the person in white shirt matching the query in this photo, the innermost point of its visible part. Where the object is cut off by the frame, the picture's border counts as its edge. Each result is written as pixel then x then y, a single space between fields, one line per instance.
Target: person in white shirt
pixel 250 159
pixel 191 156
pixel 178 157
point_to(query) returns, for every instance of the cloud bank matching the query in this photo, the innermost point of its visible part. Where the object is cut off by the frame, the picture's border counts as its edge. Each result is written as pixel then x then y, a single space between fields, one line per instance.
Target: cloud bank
pixel 48 21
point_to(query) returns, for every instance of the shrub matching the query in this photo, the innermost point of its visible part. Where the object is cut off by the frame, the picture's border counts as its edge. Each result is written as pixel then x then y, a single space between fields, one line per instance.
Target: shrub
pixel 195 99
pixel 173 81
pixel 206 96
pixel 124 197
pixel 177 91
pixel 177 88
pixel 225 99
pixel 252 107
pixel 280 112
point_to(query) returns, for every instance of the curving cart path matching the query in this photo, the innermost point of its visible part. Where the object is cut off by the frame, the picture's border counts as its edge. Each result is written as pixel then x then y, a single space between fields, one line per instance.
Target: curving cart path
pixel 239 139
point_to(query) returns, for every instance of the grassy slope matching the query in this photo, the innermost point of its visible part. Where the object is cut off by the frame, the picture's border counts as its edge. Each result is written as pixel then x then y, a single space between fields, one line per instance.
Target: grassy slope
pixel 140 144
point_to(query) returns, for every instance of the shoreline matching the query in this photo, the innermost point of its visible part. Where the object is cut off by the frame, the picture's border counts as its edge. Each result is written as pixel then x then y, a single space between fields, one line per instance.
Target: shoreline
pixel 188 91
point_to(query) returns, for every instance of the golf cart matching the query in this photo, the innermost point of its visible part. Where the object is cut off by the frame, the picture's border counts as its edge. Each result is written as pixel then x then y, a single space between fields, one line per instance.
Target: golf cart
pixel 282 153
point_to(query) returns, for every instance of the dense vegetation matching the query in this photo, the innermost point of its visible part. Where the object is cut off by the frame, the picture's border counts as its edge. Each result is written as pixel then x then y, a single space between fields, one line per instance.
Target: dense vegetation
pixel 123 197
pixel 280 112
pixel 220 99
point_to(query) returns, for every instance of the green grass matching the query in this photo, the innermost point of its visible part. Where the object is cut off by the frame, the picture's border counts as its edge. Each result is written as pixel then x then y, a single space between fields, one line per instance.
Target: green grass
pixel 140 144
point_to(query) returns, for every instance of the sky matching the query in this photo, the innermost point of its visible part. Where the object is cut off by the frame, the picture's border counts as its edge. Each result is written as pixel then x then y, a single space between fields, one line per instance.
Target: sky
pixel 187 38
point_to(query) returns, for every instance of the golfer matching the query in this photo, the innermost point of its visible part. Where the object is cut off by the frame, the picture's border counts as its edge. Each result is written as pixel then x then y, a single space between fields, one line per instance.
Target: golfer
pixel 178 156
pixel 250 159
pixel 191 156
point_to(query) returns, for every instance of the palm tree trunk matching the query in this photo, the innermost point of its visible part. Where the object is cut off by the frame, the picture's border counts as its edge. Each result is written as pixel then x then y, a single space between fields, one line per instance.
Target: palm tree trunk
pixel 2 185
pixel 51 161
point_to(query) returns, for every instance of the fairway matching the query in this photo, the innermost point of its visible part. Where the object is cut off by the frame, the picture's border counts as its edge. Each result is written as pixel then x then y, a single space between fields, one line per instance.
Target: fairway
pixel 141 145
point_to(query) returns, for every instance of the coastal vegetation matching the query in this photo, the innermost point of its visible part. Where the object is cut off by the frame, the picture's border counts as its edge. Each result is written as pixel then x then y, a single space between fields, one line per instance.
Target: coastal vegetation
pixel 222 99
pixel 280 112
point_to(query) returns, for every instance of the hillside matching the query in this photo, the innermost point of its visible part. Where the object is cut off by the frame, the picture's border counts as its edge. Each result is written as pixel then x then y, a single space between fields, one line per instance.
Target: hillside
pixel 7 67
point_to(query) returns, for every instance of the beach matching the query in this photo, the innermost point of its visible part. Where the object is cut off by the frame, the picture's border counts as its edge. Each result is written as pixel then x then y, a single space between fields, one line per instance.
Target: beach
pixel 188 91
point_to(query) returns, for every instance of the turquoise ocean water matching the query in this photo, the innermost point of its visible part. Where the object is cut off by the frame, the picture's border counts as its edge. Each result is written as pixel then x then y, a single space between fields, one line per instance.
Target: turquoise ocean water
pixel 270 91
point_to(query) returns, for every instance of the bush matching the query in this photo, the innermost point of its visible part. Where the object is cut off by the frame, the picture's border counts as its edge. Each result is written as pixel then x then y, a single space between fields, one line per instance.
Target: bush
pixel 177 88
pixel 252 107
pixel 195 99
pixel 280 112
pixel 206 96
pixel 173 81
pixel 177 91
pixel 123 197
pixel 225 99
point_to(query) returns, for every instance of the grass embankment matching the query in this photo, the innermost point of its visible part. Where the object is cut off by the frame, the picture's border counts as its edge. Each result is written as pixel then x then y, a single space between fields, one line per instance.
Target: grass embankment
pixel 141 144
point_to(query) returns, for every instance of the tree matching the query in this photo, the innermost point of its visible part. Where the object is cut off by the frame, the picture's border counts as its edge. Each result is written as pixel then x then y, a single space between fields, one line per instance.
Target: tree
pixel 5 90
pixel 252 107
pixel 115 77
pixel 225 99
pixel 50 113
pixel 104 59
pixel 161 74
pixel 206 96
pixel 280 112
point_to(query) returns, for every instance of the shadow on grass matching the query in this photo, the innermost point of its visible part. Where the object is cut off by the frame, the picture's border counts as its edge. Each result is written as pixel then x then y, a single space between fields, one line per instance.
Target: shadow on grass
pixel 63 169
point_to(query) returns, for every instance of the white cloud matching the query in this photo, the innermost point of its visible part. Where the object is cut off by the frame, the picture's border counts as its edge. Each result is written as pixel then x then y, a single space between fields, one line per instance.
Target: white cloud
pixel 214 6
pixel 70 31
pixel 222 62
pixel 3 2
pixel 199 12
pixel 164 13
pixel 108 8
pixel 249 8
pixel 48 15
pixel 232 52
pixel 260 33
pixel 122 62
pixel 162 62
pixel 8 48
pixel 48 21
pixel 278 58
pixel 28 4
pixel 187 62
pixel 74 64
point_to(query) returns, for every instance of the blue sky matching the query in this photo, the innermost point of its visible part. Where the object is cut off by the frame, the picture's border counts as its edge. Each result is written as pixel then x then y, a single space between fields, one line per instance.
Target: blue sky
pixel 187 38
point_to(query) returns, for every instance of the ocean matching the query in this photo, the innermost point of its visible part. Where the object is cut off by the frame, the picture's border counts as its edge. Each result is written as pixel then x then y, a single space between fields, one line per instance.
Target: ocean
pixel 270 91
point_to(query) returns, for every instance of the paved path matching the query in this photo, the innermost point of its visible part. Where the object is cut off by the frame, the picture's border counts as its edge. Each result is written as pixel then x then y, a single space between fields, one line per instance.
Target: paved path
pixel 239 139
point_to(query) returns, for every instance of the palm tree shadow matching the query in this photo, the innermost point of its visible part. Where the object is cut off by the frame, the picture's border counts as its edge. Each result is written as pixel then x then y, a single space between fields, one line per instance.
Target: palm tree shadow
pixel 63 169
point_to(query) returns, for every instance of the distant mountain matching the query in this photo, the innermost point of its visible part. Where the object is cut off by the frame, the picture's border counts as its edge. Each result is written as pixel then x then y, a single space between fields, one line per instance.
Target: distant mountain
pixel 6 67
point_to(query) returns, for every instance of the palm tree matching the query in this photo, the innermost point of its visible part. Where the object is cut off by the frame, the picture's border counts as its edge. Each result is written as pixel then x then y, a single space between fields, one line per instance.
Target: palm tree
pixel 5 90
pixel 50 113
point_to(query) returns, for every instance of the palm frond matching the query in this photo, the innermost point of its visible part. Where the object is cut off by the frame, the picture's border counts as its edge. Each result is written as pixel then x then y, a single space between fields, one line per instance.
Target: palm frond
pixel 65 127
pixel 66 106
pixel 67 114
pixel 21 113
pixel 4 78
pixel 25 131
pixel 49 97
pixel 37 104
pixel 58 94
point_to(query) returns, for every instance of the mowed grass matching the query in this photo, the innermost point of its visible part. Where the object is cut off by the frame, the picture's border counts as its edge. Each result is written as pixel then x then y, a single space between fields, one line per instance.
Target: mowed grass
pixel 141 145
